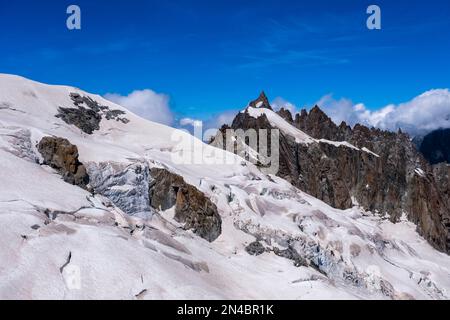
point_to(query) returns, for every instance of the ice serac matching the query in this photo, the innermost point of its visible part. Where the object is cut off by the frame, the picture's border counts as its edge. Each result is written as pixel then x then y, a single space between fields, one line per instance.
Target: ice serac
pixel 125 184
pixel 380 171
pixel 192 207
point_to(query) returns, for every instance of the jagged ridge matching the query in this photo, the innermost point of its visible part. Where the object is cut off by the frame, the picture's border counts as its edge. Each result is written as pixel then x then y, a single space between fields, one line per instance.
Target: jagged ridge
pixel 391 179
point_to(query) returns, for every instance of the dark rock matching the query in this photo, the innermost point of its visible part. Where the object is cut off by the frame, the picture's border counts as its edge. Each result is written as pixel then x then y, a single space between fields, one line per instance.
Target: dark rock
pixel 86 120
pixel 192 207
pixel 61 155
pixel 261 102
pixel 318 125
pixel 442 177
pixel 427 208
pixel 88 114
pixel 164 189
pixel 291 254
pixel 115 115
pixel 286 115
pixel 255 248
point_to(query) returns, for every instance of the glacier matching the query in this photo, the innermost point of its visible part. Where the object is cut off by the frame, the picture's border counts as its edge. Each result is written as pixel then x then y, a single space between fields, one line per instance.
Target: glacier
pixel 59 241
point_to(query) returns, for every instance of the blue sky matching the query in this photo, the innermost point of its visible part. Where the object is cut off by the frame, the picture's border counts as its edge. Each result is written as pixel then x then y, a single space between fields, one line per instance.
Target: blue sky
pixel 212 56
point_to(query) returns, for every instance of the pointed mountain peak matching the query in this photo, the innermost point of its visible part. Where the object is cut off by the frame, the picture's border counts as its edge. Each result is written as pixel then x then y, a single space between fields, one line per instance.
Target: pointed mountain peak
pixel 285 114
pixel 262 95
pixel 261 102
pixel 318 111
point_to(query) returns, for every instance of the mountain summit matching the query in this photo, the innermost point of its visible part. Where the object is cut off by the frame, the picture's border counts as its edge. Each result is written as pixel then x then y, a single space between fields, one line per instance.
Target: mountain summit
pixel 261 102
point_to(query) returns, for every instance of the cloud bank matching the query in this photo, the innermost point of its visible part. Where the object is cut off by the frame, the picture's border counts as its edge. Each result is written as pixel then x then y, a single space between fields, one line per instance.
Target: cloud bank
pixel 426 112
pixel 146 103
pixel 279 103
pixel 190 122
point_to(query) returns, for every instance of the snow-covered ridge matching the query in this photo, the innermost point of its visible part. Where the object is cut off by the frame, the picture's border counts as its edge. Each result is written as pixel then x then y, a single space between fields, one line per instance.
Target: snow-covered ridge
pixel 278 122
pixel 299 136
pixel 62 242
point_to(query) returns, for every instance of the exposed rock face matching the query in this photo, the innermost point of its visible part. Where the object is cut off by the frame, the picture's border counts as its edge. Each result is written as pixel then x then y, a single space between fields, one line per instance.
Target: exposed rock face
pixel 85 119
pixel 61 155
pixel 88 114
pixel 398 181
pixel 192 207
pixel 435 146
pixel 391 180
pixel 441 173
pixel 317 124
pixel 286 115
pixel 261 102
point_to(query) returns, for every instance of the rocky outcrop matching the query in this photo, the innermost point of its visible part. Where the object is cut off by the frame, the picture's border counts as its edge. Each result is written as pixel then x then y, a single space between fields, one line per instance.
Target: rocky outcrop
pixel 261 102
pixel 441 173
pixel 86 120
pixel 399 180
pixel 286 115
pixel 88 114
pixel 384 174
pixel 192 207
pixel 427 208
pixel 61 155
pixel 318 125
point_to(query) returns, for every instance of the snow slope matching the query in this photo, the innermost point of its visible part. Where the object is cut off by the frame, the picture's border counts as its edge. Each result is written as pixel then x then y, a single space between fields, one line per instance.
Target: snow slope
pixel 278 122
pixel 61 242
pixel 299 136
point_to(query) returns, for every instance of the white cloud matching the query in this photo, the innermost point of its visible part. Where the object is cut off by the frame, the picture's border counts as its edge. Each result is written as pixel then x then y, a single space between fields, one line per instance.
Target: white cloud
pixel 279 103
pixel 147 104
pixel 340 110
pixel 209 126
pixel 218 120
pixel 191 122
pixel 426 112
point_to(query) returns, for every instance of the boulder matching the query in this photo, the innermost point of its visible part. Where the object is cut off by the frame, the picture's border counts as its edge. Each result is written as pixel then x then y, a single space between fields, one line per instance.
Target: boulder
pixel 61 155
pixel 192 207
